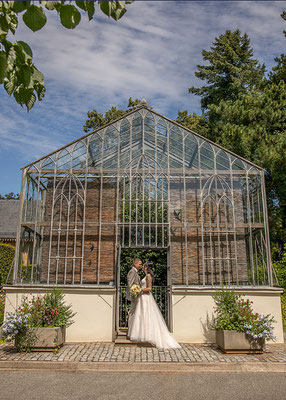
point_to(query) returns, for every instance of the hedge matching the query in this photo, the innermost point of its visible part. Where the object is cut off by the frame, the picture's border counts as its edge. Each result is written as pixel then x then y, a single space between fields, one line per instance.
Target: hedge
pixel 7 253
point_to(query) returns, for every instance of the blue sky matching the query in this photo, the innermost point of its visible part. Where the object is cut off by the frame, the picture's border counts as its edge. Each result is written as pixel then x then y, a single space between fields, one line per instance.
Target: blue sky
pixel 151 52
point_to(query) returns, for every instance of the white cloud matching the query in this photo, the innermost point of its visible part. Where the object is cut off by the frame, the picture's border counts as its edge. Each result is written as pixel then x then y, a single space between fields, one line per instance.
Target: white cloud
pixel 151 52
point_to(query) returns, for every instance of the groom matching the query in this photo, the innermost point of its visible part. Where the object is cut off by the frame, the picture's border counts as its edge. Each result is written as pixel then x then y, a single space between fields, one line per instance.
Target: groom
pixel 133 278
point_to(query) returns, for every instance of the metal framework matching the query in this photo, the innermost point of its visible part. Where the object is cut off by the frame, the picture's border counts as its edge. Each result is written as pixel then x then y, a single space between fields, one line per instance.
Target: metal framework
pixel 143 181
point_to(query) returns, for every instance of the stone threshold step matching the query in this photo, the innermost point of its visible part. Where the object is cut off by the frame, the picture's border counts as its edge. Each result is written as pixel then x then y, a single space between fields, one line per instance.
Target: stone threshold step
pixel 123 341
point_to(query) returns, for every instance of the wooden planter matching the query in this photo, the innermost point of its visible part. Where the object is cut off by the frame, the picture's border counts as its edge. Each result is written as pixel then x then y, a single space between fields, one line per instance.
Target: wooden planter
pixel 238 342
pixel 47 338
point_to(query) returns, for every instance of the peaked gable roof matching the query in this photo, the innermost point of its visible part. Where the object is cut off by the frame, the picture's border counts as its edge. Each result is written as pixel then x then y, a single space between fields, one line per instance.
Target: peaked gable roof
pixel 170 124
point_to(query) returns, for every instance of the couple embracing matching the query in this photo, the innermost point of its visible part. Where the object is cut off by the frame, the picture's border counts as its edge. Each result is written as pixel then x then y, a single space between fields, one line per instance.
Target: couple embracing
pixel 146 323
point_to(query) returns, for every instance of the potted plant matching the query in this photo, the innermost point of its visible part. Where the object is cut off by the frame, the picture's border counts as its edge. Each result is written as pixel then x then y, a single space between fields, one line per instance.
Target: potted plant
pixel 238 328
pixel 39 323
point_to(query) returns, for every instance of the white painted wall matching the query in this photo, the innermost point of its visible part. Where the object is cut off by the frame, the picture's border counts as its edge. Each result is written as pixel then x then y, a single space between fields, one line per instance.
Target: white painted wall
pixel 193 313
pixel 94 320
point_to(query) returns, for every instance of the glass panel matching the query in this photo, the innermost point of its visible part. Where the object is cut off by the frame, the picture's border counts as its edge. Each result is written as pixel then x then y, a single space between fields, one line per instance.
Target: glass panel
pixel 79 156
pixel 206 156
pixel 222 161
pixel 191 152
pixel 176 147
pixel 95 151
pixel 63 160
pixel 124 143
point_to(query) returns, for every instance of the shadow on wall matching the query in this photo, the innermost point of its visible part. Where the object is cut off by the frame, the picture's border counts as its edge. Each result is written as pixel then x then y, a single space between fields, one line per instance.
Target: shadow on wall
pixel 207 329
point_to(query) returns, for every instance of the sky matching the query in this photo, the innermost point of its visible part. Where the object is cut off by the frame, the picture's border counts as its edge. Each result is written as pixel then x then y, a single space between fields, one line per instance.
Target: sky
pixel 151 52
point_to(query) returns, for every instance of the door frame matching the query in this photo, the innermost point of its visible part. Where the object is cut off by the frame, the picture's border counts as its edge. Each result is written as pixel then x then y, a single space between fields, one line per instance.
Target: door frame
pixel 169 284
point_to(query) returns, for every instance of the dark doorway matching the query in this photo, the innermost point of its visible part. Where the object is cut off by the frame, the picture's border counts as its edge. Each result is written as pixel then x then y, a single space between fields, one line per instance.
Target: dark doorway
pixel 159 257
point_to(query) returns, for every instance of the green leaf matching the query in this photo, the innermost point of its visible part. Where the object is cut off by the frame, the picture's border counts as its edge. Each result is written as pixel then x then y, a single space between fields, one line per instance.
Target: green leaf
pixel 35 18
pixel 51 5
pixel 29 103
pixel 41 90
pixel 70 16
pixel 20 54
pixel 3 25
pixel 118 10
pixel 105 7
pixel 81 4
pixel 26 48
pixel 37 76
pixel 114 9
pixel 9 84
pixel 3 66
pixel 90 9
pixel 26 75
pixel 18 6
pixel 24 96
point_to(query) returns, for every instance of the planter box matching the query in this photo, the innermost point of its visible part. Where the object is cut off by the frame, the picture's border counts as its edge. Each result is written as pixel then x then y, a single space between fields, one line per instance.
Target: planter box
pixel 238 342
pixel 48 338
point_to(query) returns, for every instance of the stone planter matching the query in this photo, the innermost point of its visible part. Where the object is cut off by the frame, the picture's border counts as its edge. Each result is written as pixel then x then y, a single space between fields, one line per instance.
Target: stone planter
pixel 238 342
pixel 47 338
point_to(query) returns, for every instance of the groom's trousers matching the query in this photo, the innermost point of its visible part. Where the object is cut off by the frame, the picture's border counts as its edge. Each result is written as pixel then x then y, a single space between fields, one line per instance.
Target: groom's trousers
pixel 132 311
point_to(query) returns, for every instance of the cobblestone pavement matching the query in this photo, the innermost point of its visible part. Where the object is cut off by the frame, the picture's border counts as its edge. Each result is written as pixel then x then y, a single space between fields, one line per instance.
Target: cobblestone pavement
pixel 109 352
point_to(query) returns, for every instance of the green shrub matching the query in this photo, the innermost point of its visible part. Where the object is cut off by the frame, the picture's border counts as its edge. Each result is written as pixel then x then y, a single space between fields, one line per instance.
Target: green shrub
pixel 280 269
pixel 283 307
pixel 49 310
pixel 230 313
pixel 7 253
pixel 2 305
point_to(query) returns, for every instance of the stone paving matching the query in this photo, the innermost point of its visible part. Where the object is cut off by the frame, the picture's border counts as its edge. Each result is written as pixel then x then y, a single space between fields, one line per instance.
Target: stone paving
pixel 109 352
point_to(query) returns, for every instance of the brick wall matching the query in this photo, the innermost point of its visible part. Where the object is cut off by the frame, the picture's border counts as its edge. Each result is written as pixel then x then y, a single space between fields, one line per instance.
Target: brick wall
pixel 186 243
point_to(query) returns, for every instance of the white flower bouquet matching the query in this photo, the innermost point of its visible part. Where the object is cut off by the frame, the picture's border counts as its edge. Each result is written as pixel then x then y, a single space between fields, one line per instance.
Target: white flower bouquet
pixel 135 290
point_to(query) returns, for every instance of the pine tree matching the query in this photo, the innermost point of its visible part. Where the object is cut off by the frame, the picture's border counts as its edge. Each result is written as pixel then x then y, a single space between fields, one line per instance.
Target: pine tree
pixel 232 69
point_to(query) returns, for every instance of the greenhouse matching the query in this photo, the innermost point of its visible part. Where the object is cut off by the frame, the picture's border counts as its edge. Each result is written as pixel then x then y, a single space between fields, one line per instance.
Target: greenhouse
pixel 143 182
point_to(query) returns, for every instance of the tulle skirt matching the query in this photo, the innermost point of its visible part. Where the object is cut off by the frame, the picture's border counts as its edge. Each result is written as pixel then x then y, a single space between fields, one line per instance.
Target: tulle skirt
pixel 148 325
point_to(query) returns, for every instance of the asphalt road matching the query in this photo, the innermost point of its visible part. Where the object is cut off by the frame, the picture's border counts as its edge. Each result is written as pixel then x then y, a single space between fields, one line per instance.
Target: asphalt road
pixel 103 385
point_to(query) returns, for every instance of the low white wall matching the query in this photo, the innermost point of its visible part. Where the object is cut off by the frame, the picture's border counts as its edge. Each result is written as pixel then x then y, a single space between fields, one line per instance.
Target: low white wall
pixel 193 312
pixel 94 320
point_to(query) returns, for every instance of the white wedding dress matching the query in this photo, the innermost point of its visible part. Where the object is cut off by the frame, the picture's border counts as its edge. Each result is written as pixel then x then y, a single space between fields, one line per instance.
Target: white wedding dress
pixel 148 324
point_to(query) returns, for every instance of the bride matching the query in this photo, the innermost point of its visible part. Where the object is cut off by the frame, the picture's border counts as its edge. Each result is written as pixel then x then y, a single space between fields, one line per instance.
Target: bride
pixel 148 324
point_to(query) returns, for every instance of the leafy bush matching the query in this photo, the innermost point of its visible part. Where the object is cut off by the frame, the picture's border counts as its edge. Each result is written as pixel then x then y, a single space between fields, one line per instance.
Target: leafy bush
pixel 283 307
pixel 2 305
pixel 234 312
pixel 230 315
pixel 280 268
pixel 7 253
pixel 49 310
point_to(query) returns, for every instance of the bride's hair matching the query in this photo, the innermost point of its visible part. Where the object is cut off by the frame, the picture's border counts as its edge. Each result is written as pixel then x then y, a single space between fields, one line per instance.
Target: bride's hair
pixel 150 267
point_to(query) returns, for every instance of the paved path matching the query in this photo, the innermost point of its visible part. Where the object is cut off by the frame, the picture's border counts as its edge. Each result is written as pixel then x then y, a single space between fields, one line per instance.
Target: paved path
pixel 108 352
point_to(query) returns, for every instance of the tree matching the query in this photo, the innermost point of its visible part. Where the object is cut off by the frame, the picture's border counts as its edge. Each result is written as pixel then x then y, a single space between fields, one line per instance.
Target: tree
pixel 10 196
pixel 18 73
pixel 283 15
pixel 196 123
pixel 96 120
pixel 232 69
pixel 246 114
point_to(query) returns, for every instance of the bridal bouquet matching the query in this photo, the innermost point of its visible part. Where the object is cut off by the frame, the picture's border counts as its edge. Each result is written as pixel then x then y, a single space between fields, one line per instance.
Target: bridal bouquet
pixel 135 290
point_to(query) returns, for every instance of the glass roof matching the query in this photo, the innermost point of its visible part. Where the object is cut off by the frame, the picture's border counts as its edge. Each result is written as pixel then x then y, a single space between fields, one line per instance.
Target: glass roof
pixel 144 135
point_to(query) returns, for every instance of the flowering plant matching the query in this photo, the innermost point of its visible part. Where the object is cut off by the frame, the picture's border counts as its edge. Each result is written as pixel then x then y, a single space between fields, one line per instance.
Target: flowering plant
pixel 261 327
pixel 16 325
pixel 234 312
pixel 47 311
pixel 135 290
